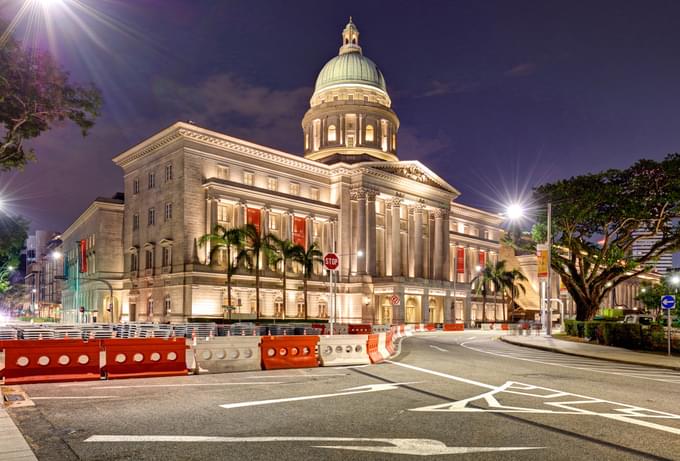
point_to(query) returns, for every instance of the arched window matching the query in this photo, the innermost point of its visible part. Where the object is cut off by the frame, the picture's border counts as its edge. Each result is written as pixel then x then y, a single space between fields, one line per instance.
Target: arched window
pixel 369 133
pixel 149 307
pixel 332 133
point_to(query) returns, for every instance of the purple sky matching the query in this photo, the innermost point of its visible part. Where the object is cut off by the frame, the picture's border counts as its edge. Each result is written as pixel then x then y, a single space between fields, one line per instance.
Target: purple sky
pixel 495 96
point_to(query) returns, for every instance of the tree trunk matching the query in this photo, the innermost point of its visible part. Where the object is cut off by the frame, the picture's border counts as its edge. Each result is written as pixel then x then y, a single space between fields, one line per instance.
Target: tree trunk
pixel 285 303
pixel 229 276
pixel 257 286
pixel 305 295
pixel 505 314
pixel 483 307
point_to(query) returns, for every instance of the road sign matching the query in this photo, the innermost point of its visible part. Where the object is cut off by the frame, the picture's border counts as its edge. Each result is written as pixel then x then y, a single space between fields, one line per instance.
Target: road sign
pixel 395 300
pixel 667 302
pixel 331 261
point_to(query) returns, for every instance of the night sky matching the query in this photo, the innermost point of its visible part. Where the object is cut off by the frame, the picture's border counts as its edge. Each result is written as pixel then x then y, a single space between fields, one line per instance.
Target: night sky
pixel 494 96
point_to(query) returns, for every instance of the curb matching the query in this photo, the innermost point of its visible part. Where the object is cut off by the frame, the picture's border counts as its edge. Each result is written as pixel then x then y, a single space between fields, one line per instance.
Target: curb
pixel 588 356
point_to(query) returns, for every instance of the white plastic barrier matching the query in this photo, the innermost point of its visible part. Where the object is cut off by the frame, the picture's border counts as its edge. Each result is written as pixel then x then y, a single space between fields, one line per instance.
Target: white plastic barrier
pixel 227 354
pixel 382 346
pixel 343 350
pixel 340 329
pixel 380 328
pixel 408 331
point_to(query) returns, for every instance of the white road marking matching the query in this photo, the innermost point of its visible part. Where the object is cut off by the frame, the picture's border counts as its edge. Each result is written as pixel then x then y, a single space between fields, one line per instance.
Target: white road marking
pixel 438 348
pixel 185 385
pixel 343 392
pixel 306 375
pixel 442 375
pixel 75 397
pixel 414 447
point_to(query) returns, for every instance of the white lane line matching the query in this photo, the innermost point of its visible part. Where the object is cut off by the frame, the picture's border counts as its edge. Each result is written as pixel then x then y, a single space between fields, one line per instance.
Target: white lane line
pixel 62 397
pixel 186 385
pixel 350 391
pixel 298 376
pixel 438 348
pixel 442 375
pixel 414 447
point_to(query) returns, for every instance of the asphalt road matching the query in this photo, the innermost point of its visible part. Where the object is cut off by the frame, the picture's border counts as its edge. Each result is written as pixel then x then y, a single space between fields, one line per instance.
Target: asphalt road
pixel 446 396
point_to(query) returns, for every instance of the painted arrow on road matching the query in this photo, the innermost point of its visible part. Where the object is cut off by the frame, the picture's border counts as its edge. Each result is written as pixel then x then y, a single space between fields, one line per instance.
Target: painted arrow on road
pixel 350 391
pixel 414 447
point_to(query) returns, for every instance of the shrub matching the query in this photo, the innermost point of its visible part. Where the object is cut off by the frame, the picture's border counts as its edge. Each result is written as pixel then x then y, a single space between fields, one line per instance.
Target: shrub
pixel 570 327
pixel 591 330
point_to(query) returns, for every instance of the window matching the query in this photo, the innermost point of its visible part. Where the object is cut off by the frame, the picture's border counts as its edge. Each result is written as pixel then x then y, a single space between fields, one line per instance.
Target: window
pixel 151 217
pixel 168 212
pixel 383 132
pixel 369 133
pixel 149 259
pixel 248 178
pixel 274 221
pixel 133 262
pixel 316 125
pixel 135 221
pixel 168 172
pixel 167 305
pixel 166 256
pixel 314 193
pixel 294 188
pixel 332 136
pixel 350 141
pixel 152 180
pixel 272 183
pixel 224 213
pixel 222 172
pixel 135 186
pixel 149 307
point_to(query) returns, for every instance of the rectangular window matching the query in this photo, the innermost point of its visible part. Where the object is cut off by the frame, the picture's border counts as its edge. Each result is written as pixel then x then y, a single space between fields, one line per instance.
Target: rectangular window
pixel 135 186
pixel 135 221
pixel 149 259
pixel 223 172
pixel 133 262
pixel 152 180
pixel 314 193
pixel 224 213
pixel 248 178
pixel 168 305
pixel 166 256
pixel 168 172
pixel 152 217
pixel 294 188
pixel 274 221
pixel 168 211
pixel 272 183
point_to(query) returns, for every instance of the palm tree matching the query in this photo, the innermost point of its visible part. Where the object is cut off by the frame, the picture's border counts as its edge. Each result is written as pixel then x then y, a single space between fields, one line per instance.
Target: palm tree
pixel 250 253
pixel 481 282
pixel 510 279
pixel 307 259
pixel 222 239
pixel 496 273
pixel 281 251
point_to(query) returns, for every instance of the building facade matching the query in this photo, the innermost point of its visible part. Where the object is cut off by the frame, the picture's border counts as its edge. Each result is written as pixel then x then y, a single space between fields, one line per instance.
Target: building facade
pixel 396 225
pixel 43 287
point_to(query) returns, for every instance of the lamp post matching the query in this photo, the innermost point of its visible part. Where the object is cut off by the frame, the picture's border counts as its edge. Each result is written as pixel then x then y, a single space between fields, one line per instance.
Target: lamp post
pixel 675 281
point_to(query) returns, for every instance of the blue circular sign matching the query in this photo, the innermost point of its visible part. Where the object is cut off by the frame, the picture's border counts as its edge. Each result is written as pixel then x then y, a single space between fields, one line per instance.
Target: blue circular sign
pixel 667 302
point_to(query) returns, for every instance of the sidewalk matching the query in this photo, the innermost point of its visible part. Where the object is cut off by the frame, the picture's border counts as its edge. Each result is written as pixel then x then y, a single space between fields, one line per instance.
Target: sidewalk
pixel 13 447
pixel 594 351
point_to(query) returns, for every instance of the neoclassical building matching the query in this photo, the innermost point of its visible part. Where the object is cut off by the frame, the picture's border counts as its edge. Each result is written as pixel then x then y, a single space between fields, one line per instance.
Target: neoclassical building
pixel 397 226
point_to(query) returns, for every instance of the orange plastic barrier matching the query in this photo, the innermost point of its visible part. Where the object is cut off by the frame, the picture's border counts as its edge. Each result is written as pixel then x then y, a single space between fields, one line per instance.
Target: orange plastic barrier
pixel 505 327
pixel 431 327
pixel 454 327
pixel 144 357
pixel 289 352
pixel 44 361
pixel 389 342
pixel 372 347
pixel 359 329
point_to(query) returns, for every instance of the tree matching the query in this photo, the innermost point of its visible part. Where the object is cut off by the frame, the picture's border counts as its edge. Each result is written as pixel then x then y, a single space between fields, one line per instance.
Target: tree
pixel 281 251
pixel 13 232
pixel 481 282
pixel 598 217
pixel 509 280
pixel 251 252
pixel 496 272
pixel 307 258
pixel 35 94
pixel 229 240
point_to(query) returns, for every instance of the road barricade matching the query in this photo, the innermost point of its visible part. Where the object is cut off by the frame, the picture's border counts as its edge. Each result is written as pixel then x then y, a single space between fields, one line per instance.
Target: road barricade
pixel 289 352
pixel 343 350
pixel 359 328
pixel 407 330
pixel 431 327
pixel 373 351
pixel 340 329
pixel 227 354
pixel 454 327
pixel 380 328
pixel 382 345
pixel 44 361
pixel 389 343
pixel 321 326
pixel 144 357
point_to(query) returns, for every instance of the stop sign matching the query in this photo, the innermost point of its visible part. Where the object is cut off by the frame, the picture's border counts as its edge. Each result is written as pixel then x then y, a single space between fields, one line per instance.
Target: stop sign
pixel 331 261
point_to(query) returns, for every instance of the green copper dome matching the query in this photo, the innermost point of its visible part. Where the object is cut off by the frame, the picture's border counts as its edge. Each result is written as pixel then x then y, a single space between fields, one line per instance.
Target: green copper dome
pixel 352 68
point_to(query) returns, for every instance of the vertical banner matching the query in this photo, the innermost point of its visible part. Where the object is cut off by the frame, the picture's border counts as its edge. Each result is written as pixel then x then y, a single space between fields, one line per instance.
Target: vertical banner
pixel 482 259
pixel 542 260
pixel 254 217
pixel 299 231
pixel 83 256
pixel 460 263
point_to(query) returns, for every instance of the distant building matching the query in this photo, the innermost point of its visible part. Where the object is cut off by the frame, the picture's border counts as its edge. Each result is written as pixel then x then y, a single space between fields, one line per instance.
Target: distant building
pixel 42 289
pixel 642 246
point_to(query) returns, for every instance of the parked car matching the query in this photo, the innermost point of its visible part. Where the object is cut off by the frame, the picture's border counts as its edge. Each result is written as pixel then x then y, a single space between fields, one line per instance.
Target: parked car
pixel 641 319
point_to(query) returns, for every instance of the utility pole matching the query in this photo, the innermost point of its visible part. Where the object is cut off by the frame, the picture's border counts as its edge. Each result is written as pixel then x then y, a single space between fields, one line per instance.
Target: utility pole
pixel 548 288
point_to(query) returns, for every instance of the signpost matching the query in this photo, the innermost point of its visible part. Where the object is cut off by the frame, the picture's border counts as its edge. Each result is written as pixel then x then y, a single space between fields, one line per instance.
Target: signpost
pixel 331 261
pixel 668 303
pixel 395 300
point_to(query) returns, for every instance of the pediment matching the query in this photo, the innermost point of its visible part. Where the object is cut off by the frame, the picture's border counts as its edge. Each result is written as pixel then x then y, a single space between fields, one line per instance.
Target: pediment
pixel 415 171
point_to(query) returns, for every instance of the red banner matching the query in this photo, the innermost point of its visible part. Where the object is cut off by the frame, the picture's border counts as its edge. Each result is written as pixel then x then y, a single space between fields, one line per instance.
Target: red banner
pixel 254 217
pixel 83 256
pixel 482 259
pixel 460 263
pixel 299 231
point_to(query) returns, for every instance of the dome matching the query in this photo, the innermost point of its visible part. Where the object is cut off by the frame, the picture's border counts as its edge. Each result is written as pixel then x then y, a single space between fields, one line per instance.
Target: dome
pixel 350 68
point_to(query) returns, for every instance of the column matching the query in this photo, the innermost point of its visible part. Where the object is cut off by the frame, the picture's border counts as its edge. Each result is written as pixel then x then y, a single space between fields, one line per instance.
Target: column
pixel 410 242
pixel 241 212
pixel 388 238
pixel 360 231
pixel 265 220
pixel 446 265
pixel 449 302
pixel 396 237
pixel 398 311
pixel 438 245
pixel 309 230
pixel 418 235
pixel 425 307
pixel 371 234
pixel 210 221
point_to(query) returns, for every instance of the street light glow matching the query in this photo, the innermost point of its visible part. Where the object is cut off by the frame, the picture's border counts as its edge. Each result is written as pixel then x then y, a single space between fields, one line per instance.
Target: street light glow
pixel 514 211
pixel 56 255
pixel 675 280
pixel 360 253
